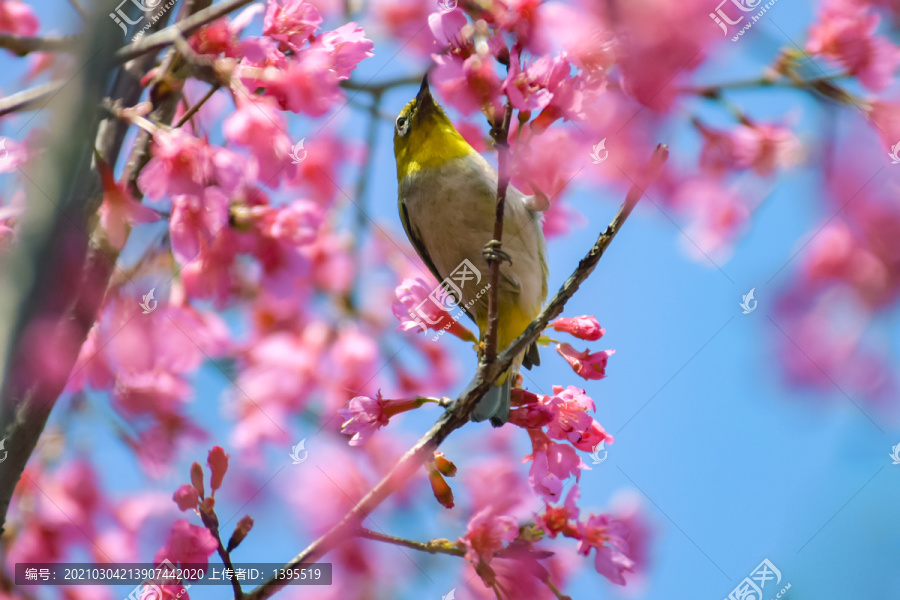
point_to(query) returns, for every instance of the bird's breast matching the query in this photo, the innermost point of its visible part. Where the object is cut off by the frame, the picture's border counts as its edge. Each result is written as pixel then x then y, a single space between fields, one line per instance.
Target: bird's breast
pixel 452 209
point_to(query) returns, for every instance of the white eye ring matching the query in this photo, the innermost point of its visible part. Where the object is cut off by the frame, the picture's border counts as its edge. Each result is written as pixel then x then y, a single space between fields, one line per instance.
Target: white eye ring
pixel 402 124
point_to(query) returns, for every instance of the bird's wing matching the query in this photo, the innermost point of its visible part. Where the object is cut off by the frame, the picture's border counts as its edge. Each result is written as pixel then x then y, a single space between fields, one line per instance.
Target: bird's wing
pixel 416 240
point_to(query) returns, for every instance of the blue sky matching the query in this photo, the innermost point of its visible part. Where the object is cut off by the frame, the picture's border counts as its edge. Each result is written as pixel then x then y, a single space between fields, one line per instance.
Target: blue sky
pixel 731 465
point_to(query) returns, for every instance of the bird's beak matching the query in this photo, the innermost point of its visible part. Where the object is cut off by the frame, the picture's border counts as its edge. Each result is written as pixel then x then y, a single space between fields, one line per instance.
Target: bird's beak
pixel 424 94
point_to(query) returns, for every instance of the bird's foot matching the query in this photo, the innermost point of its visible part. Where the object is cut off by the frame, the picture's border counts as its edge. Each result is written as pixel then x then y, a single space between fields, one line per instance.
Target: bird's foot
pixel 492 252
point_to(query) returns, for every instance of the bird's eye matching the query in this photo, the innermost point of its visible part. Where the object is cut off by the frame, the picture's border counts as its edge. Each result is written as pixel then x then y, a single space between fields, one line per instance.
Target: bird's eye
pixel 402 125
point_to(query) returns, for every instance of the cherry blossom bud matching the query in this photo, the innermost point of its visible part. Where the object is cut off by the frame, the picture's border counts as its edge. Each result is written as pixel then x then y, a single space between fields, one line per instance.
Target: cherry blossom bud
pixel 218 464
pixel 197 478
pixel 208 507
pixel 443 465
pixel 240 532
pixel 441 489
pixel 584 328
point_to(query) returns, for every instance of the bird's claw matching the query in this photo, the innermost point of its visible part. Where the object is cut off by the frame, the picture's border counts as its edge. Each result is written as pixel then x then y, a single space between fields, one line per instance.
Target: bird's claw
pixel 492 252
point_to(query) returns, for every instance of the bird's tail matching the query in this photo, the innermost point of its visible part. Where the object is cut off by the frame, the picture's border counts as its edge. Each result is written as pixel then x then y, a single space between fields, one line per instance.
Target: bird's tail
pixel 495 403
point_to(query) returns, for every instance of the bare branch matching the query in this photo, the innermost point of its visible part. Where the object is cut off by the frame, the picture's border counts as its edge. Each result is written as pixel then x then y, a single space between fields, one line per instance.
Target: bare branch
pixel 501 136
pixel 23 45
pixel 381 87
pixel 189 113
pixel 458 414
pixel 444 546
pixel 185 27
pixel 32 98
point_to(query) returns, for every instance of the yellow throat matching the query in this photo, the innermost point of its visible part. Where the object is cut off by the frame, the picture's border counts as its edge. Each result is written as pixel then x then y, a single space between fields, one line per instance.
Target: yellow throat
pixel 424 137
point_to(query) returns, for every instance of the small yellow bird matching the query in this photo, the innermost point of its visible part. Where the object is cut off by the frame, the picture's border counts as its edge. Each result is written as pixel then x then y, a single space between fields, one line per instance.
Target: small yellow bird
pixel 447 201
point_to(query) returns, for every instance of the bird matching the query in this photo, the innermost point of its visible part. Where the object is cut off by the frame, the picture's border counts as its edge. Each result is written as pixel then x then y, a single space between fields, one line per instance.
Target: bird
pixel 447 197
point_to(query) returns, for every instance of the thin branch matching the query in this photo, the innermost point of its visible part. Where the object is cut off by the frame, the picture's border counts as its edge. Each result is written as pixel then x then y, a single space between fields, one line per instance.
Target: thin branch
pixel 822 85
pixel 161 89
pixel 501 140
pixel 185 27
pixel 22 45
pixel 383 86
pixel 445 546
pixel 30 98
pixel 211 521
pixel 437 546
pixel 196 107
pixel 458 414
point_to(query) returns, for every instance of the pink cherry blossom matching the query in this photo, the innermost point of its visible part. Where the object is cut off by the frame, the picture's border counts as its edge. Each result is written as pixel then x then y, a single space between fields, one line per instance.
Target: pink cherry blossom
pixel 186 497
pixel 119 209
pixel 524 87
pixel 885 116
pixel 187 544
pixel 765 148
pixel 415 307
pixel 258 125
pixel 570 420
pixel 590 365
pixel 362 417
pixel 608 537
pixel 16 154
pixel 222 35
pixel 181 164
pixel 295 224
pixel 485 535
pixel 498 485
pixel 845 34
pixel 307 85
pixel 317 174
pixel 196 220
pixel 446 27
pixel 584 328
pixel 17 18
pixel 291 21
pixel 347 46
pixel 563 519
pixel 469 84
pixel 718 216
pixel 570 95
pixel 403 20
pixel 552 463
